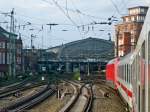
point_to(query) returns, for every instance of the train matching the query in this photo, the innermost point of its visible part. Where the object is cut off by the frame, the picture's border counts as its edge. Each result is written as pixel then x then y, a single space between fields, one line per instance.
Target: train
pixel 130 75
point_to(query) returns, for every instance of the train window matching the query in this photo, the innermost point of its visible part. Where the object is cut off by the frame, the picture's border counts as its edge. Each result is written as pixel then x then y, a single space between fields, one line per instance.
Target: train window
pixel 143 50
pixel 131 74
pixel 121 72
pixel 124 71
pixel 127 73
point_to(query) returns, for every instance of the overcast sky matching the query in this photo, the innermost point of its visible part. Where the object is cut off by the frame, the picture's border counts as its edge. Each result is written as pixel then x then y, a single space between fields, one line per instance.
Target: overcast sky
pixel 80 12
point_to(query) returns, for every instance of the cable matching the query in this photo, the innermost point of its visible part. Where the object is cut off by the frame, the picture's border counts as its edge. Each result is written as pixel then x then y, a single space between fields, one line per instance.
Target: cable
pixel 115 6
pixel 61 9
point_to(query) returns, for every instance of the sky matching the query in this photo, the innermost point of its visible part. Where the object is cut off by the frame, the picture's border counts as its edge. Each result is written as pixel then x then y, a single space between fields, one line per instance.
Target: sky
pixel 71 16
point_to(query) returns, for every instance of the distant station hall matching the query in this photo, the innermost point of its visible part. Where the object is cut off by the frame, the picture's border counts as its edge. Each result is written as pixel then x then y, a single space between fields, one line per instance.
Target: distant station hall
pixel 86 55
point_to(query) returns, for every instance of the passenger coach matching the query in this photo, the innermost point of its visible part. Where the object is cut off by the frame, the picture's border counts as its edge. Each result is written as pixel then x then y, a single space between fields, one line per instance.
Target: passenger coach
pixel 131 74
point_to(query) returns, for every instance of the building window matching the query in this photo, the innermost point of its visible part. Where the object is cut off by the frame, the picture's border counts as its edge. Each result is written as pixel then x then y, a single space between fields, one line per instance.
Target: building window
pixel 142 10
pixel 3 58
pixel 2 44
pixel 140 18
pixel 18 60
pixel 8 45
pixel 120 42
pixel 18 51
pixel 121 53
pixel 133 18
pixel 127 19
pixel 0 58
pixel 8 62
pixel 132 40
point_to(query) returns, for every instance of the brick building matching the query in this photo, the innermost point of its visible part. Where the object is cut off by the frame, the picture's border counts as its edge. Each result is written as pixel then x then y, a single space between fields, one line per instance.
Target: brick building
pixel 6 55
pixel 128 31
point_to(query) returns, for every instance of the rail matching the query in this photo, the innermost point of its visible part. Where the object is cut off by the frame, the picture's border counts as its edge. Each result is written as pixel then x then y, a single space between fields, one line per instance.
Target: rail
pixel 30 101
pixel 6 94
pixel 87 106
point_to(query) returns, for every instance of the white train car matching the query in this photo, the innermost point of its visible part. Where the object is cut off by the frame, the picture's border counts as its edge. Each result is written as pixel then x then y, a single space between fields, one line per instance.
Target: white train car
pixel 133 73
pixel 124 79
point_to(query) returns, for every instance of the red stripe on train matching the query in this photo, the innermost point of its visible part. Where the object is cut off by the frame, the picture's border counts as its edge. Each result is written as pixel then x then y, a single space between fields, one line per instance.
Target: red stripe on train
pixel 128 92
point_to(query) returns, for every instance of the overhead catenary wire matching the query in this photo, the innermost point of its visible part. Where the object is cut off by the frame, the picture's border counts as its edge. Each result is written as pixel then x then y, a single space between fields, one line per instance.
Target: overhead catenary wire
pixel 61 9
pixel 115 6
pixel 122 5
pixel 75 24
pixel 44 19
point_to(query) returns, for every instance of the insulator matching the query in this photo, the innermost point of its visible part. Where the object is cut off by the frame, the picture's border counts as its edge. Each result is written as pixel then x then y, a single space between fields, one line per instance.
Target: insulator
pixel 83 28
pixel 88 28
pixel 92 28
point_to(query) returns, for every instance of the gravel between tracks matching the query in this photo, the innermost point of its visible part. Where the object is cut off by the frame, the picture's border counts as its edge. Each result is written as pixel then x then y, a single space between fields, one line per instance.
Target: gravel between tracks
pixel 103 104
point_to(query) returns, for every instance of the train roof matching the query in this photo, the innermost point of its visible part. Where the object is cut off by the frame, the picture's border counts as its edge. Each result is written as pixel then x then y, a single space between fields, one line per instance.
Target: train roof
pixel 111 61
pixel 126 59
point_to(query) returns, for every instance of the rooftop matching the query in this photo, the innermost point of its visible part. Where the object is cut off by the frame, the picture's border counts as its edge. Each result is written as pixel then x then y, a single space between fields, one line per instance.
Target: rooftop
pixel 146 7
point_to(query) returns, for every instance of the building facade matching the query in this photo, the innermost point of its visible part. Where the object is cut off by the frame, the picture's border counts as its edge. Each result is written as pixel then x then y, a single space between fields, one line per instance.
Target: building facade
pixel 6 55
pixel 128 31
pixel 88 55
pixel 30 59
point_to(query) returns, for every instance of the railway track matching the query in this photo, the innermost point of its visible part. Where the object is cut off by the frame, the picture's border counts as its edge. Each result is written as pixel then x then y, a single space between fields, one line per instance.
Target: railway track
pixel 29 101
pixel 104 97
pixel 82 99
pixel 21 88
pixel 12 87
pixel 17 86
pixel 54 103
